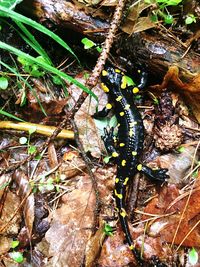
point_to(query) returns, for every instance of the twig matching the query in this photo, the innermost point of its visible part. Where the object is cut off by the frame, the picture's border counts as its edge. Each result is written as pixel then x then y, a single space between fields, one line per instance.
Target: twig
pixel 89 169
pixel 92 80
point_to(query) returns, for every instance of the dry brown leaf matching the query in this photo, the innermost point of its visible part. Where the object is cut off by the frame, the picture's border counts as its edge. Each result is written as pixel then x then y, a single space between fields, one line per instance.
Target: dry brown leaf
pixel 86 125
pixel 94 245
pixel 189 88
pixel 142 24
pixel 24 191
pixel 10 216
pixel 166 227
pixel 72 164
pixel 71 225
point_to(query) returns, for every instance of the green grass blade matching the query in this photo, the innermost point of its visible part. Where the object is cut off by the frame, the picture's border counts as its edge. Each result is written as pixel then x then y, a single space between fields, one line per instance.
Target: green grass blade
pixel 26 83
pixel 2 112
pixel 47 67
pixel 5 12
pixel 32 42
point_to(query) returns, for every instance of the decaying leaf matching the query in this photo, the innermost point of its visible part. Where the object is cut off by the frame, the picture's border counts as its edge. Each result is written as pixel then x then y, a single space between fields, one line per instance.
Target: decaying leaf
pixel 135 22
pixel 171 201
pixel 190 88
pixel 10 214
pixel 87 129
pixel 71 225
pixel 24 191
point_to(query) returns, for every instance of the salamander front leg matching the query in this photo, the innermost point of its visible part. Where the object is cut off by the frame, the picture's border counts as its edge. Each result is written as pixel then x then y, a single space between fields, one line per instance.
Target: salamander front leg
pixel 109 140
pixel 159 175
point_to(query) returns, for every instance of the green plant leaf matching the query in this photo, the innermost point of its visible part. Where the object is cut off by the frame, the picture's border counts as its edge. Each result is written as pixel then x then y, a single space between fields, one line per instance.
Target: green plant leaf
pixel 5 12
pixel 32 130
pixel 190 19
pixel 16 256
pixel 46 66
pixel 14 243
pixel 2 112
pixel 10 3
pixel 169 2
pixel 32 149
pixel 168 19
pixel 107 159
pixel 193 256
pixel 26 83
pixel 181 149
pixel 3 83
pixel 108 230
pixel 87 43
pixel 129 80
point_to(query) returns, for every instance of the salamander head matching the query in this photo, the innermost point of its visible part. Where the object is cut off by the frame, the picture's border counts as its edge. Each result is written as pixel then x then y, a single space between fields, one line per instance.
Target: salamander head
pixel 111 77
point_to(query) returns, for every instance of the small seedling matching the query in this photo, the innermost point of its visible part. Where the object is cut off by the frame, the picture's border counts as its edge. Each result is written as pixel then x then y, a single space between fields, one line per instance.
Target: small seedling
pixel 181 149
pixel 108 230
pixel 88 44
pixel 3 83
pixel 16 255
pixel 193 256
pixel 190 19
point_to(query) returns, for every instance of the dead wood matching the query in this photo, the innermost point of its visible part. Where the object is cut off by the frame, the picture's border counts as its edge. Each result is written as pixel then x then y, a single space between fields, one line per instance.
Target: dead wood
pixel 157 51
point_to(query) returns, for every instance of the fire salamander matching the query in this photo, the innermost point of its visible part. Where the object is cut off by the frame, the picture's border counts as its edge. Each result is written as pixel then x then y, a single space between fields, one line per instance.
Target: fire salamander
pixel 129 142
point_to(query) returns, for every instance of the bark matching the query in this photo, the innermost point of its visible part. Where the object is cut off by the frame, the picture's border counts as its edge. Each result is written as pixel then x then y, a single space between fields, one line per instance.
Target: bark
pixel 157 51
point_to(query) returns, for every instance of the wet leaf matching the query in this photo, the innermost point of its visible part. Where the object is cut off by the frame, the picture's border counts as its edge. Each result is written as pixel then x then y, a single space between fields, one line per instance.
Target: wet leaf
pixel 71 225
pixel 3 83
pixel 17 256
pixel 24 191
pixel 193 256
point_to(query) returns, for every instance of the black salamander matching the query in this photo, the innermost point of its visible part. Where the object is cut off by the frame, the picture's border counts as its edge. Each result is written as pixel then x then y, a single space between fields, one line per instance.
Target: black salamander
pixel 130 139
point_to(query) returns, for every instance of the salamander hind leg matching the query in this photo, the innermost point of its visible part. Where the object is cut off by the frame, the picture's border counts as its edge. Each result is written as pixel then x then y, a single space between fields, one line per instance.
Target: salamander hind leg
pixel 157 175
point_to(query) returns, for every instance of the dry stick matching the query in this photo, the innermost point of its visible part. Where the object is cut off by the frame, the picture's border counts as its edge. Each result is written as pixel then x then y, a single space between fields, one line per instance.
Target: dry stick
pixel 91 174
pixel 92 81
pixel 39 150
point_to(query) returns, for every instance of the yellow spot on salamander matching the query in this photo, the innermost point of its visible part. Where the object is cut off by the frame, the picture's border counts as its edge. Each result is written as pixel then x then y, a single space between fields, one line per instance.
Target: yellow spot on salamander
pixel 135 90
pixel 131 247
pixel 115 154
pixel 131 133
pixel 124 82
pixel 133 123
pixel 104 73
pixel 115 139
pixel 139 71
pixel 121 114
pixel 108 106
pixel 134 153
pixel 127 107
pixel 139 167
pixel 123 162
pixel 105 88
pixel 121 144
pixel 117 71
pixel 125 181
pixel 116 180
pixel 123 213
pixel 119 98
pixel 118 195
